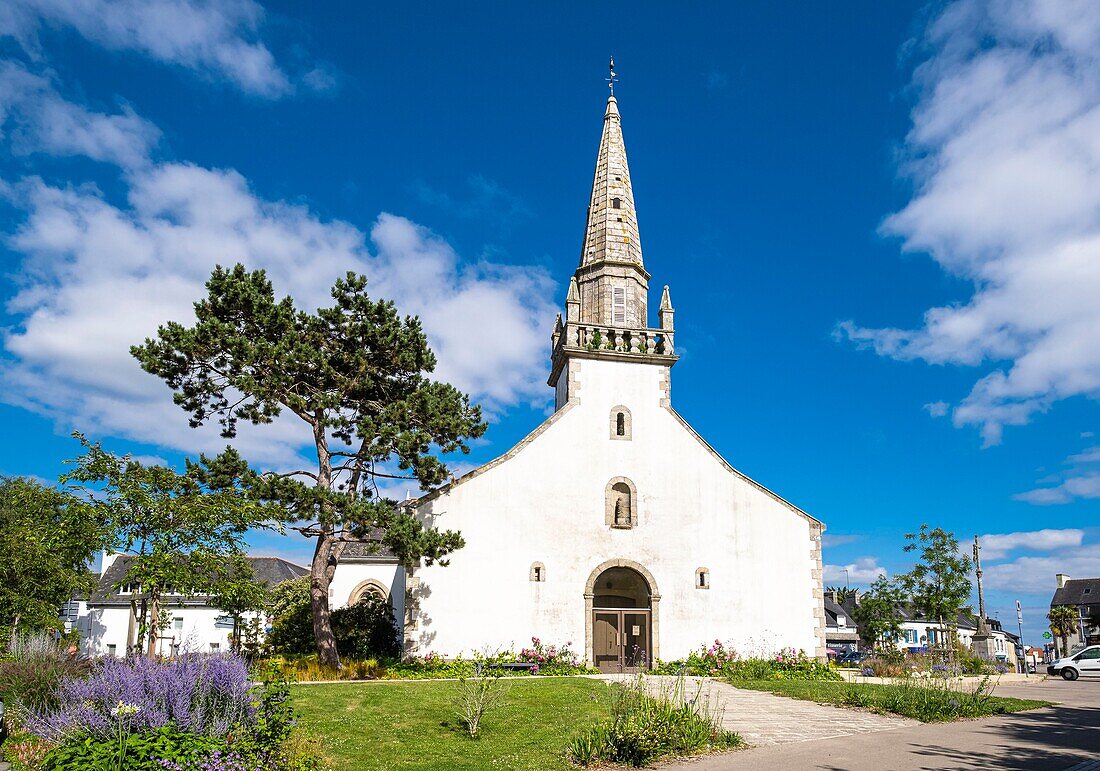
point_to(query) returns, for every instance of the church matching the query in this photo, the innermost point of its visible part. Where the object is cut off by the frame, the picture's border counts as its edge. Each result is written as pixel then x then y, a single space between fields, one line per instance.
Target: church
pixel 613 525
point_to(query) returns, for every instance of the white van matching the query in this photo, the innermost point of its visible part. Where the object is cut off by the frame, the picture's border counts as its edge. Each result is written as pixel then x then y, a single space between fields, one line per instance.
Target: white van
pixel 1084 662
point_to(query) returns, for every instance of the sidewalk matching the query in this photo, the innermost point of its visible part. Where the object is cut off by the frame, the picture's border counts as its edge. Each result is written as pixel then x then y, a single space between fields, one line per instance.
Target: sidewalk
pixel 1050 739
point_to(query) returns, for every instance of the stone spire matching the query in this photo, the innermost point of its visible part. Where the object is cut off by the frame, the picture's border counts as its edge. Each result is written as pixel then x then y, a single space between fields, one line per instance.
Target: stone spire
pixel 611 232
pixel 612 281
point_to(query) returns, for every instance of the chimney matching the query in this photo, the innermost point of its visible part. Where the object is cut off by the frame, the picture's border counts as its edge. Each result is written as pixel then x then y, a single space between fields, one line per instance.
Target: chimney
pixel 1061 578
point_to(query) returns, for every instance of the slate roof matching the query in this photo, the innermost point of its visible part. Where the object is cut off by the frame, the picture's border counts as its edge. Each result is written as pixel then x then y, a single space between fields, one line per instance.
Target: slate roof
pixel 1077 591
pixel 369 548
pixel 268 571
pixel 835 633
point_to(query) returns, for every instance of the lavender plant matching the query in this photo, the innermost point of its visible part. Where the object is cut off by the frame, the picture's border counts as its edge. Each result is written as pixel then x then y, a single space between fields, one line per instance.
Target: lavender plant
pixel 198 694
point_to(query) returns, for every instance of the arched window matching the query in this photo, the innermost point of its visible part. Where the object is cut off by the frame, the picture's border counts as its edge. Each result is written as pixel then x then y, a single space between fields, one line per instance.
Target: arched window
pixel 621 501
pixel 538 572
pixel 702 578
pixel 370 587
pixel 616 203
pixel 620 423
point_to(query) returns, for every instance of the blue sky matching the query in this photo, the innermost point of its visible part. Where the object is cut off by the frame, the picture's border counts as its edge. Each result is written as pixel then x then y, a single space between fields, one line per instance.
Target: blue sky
pixel 880 225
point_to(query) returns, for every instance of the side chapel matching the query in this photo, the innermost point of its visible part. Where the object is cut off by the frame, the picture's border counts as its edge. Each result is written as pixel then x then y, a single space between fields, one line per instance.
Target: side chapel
pixel 613 525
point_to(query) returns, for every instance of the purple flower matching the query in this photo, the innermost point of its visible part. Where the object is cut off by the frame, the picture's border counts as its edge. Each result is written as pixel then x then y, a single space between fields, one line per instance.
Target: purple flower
pixel 203 694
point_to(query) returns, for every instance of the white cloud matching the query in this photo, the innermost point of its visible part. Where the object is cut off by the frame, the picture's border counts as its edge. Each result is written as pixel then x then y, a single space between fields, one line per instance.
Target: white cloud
pixel 829 540
pixel 998 546
pixel 937 409
pixel 1005 158
pixel 863 571
pixel 100 277
pixel 1035 574
pixel 217 38
pixel 1081 480
pixel 37 119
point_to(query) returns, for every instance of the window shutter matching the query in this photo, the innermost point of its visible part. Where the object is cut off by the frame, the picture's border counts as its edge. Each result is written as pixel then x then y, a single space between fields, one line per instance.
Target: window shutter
pixel 618 305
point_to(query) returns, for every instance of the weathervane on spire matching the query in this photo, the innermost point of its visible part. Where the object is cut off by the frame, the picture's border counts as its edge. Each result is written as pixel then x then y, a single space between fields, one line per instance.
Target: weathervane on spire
pixel 613 79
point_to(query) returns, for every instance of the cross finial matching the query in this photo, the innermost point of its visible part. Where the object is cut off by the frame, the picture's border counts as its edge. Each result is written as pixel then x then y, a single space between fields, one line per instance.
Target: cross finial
pixel 612 78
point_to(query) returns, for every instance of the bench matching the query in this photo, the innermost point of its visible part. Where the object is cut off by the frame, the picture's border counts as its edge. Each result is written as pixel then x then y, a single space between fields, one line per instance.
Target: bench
pixel 511 666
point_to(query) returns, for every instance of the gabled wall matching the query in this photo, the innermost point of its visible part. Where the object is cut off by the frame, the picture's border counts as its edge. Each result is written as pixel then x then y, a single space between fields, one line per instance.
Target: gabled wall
pixel 545 502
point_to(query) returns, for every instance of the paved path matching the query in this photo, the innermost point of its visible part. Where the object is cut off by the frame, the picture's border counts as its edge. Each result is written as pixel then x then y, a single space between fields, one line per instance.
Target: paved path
pixel 764 719
pixel 1056 738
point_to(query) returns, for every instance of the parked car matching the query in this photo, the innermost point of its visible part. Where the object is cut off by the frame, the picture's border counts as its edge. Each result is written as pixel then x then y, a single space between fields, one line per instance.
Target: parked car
pixel 853 658
pixel 1084 662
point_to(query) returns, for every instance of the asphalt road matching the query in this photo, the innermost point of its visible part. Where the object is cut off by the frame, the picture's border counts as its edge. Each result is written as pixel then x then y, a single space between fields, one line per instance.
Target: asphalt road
pixel 1056 738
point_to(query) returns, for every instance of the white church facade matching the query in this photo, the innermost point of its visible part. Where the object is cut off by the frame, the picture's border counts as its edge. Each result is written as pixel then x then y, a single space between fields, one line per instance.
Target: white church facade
pixel 613 525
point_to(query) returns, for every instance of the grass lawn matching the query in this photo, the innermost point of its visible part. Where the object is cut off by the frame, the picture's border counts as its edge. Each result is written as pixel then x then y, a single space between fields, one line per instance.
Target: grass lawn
pixel 410 725
pixel 927 703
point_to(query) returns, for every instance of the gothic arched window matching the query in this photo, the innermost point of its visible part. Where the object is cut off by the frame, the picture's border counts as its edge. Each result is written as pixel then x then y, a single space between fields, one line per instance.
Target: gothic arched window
pixel 702 578
pixel 621 501
pixel 538 572
pixel 620 423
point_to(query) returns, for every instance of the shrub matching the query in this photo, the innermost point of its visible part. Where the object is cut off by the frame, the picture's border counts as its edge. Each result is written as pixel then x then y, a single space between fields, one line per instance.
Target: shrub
pixel 366 630
pixel 926 699
pixel 143 751
pixel 25 751
pixel 307 669
pixel 718 660
pixel 292 619
pixel 551 659
pixel 199 694
pixel 32 671
pixel 195 714
pixel 477 697
pixel 644 727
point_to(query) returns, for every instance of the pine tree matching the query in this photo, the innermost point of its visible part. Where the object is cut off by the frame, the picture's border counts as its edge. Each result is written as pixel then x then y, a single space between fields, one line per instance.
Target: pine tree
pixel 355 374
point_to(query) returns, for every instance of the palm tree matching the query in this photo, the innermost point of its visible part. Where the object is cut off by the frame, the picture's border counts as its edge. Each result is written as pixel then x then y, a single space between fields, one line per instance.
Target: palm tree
pixel 1063 622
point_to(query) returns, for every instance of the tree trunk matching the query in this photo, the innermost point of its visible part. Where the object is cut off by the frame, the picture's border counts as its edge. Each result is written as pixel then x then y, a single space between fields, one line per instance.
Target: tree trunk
pixel 319 579
pixel 153 620
pixel 15 628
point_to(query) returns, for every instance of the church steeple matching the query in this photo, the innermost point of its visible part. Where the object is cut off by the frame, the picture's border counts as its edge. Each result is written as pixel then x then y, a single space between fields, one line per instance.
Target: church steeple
pixel 611 278
pixel 611 230
pixel 606 307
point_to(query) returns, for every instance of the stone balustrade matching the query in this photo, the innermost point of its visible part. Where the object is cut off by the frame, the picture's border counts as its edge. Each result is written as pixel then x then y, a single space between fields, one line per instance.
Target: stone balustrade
pixel 602 338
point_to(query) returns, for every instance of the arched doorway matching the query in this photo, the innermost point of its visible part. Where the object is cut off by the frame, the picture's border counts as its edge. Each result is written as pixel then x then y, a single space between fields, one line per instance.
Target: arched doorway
pixel 620 604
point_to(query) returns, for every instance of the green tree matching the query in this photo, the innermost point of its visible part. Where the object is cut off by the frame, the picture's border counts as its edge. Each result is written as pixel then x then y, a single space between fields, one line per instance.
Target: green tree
pixel 237 592
pixel 1063 622
pixel 355 376
pixel 289 606
pixel 877 615
pixel 182 532
pixel 46 544
pixel 938 586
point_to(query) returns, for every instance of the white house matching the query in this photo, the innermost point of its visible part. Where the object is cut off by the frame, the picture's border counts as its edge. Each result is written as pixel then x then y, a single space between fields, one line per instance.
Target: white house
pixel 613 525
pixel 107 622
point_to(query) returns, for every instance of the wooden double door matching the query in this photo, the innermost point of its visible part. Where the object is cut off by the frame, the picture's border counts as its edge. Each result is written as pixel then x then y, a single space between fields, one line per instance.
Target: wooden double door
pixel 621 639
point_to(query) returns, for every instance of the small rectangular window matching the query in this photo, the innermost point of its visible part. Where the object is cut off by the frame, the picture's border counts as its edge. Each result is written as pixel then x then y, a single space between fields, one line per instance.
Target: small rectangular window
pixel 215 647
pixel 618 305
pixel 111 649
pixel 177 622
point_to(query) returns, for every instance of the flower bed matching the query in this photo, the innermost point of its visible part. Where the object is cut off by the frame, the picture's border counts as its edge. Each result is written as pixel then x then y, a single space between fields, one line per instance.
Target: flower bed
pixel 544 660
pixel 194 712
pixel 721 660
